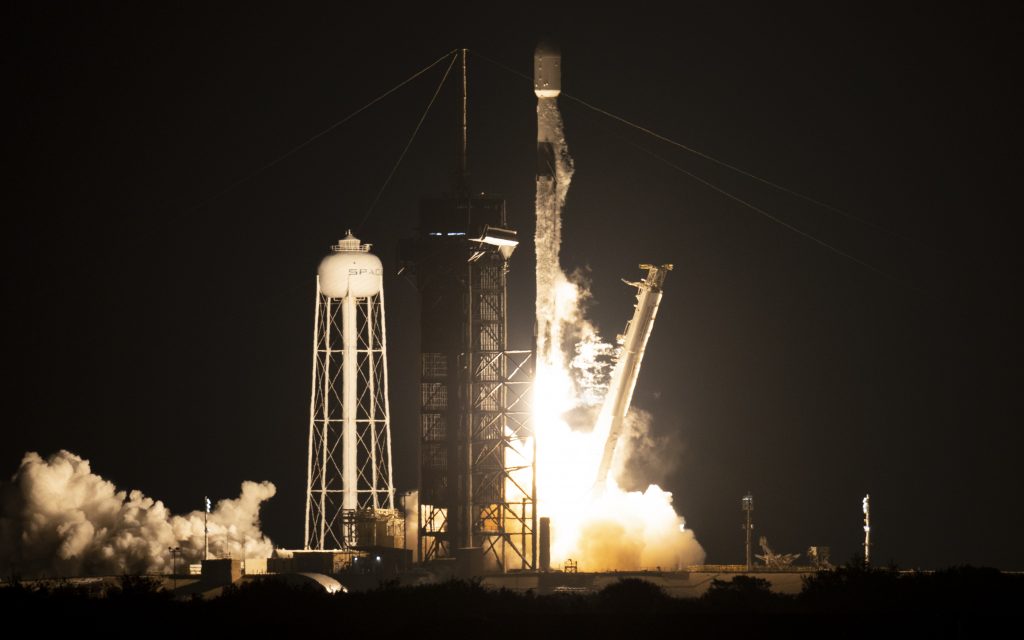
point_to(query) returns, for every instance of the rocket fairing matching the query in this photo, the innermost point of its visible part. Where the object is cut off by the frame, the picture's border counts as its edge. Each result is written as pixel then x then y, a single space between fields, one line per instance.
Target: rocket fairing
pixel 547 70
pixel 547 84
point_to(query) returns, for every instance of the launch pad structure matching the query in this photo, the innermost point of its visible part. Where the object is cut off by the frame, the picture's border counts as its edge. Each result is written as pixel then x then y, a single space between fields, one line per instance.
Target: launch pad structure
pixel 477 496
pixel 476 488
pixel 476 505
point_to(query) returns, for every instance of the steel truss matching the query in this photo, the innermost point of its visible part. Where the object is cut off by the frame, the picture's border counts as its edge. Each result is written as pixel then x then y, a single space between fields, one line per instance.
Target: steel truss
pixel 478 479
pixel 350 498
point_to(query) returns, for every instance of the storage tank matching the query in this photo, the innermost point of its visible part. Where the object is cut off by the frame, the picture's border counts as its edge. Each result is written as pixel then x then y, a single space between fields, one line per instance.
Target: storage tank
pixel 350 487
pixel 350 270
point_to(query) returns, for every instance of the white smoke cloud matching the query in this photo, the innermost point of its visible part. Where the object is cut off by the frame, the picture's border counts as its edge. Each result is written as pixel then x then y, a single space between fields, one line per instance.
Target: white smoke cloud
pixel 58 518
pixel 552 285
pixel 626 530
pixel 641 457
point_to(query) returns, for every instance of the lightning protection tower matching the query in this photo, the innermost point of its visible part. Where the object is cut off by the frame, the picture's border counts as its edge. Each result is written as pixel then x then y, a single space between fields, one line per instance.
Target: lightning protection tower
pixel 748 526
pixel 350 497
pixel 477 484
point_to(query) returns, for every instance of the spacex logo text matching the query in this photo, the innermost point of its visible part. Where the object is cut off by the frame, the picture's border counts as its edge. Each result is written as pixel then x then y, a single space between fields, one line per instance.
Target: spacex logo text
pixel 358 272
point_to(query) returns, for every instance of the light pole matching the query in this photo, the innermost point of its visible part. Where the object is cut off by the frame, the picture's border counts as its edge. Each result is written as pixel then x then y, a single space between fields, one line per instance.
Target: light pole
pixel 206 530
pixel 866 507
pixel 175 552
pixel 748 526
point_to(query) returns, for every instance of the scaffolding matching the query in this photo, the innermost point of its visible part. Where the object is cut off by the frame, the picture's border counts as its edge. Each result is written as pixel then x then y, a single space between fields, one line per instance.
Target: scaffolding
pixel 476 457
pixel 501 499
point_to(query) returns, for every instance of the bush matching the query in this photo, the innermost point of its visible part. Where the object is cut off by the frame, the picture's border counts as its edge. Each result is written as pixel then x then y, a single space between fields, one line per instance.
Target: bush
pixel 742 594
pixel 633 594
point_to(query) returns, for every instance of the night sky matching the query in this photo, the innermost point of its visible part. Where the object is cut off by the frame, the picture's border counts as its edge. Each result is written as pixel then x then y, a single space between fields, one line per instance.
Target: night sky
pixel 159 324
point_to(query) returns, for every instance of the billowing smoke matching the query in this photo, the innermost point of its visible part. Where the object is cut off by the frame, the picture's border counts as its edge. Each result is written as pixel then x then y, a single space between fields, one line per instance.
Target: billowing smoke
pixel 58 518
pixel 603 527
pixel 552 285
pixel 635 530
pixel 641 457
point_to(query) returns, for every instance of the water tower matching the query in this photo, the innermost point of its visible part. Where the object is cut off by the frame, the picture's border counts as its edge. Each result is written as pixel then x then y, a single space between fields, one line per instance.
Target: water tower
pixel 350 497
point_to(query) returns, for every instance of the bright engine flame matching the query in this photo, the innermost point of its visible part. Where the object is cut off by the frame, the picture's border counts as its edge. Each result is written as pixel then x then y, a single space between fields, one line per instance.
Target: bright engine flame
pixel 602 528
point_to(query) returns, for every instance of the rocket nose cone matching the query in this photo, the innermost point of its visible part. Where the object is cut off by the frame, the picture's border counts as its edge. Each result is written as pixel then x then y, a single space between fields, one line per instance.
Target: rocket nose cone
pixel 546 49
pixel 547 73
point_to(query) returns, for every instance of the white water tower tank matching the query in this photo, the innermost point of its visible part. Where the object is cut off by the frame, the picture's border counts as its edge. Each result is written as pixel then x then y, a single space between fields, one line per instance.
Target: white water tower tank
pixel 350 270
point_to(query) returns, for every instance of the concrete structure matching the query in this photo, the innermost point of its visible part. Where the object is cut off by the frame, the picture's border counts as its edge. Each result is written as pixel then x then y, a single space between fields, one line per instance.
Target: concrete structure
pixel 376 561
pixel 547 85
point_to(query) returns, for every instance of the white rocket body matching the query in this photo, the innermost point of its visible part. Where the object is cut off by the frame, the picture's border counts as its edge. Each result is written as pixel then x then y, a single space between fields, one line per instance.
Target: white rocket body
pixel 547 84
pixel 547 71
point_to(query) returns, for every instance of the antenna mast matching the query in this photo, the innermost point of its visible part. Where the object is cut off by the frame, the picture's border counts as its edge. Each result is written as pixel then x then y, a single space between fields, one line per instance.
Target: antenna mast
pixel 748 509
pixel 463 180
pixel 866 505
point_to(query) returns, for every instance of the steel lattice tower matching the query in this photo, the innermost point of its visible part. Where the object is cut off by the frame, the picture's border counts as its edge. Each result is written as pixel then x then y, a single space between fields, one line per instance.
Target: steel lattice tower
pixel 349 490
pixel 476 472
pixel 501 517
pixel 477 492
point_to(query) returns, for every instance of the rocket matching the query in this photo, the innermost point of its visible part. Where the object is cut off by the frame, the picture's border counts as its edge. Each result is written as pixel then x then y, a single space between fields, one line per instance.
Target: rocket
pixel 547 84
pixel 633 343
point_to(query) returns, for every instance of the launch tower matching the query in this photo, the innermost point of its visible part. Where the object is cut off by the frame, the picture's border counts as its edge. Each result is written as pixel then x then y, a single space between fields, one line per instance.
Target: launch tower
pixel 477 493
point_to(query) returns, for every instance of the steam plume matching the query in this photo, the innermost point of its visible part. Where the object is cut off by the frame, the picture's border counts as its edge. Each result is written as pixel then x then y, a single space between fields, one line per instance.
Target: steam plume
pixel 58 518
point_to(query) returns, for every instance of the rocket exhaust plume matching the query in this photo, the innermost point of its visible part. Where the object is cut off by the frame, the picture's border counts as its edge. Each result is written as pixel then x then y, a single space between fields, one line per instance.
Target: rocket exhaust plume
pixel 610 528
pixel 58 518
pixel 554 173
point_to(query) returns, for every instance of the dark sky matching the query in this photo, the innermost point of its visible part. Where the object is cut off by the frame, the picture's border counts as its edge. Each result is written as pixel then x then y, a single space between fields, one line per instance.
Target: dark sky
pixel 163 331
